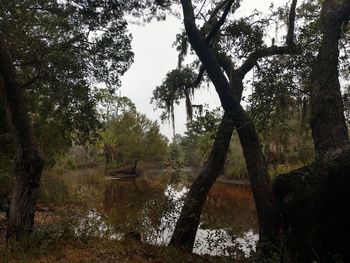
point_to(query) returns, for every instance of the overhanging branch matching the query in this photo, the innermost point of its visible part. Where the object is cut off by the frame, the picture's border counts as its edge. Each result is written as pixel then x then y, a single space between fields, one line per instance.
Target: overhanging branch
pixel 289 48
pixel 221 21
pixel 208 59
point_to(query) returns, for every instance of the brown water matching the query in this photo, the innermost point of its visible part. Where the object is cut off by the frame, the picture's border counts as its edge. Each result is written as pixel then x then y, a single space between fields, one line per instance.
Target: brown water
pixel 149 207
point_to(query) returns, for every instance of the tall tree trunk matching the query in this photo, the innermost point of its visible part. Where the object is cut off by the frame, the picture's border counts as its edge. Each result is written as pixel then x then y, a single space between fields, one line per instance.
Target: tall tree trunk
pixel 268 215
pixel 28 161
pixel 230 95
pixel 186 227
pixel 327 121
pixel 313 200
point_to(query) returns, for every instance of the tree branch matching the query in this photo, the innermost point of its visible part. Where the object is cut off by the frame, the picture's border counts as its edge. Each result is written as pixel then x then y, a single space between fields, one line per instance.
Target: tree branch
pixel 289 48
pixel 217 9
pixel 214 31
pixel 208 59
pixel 291 24
pixel 31 81
pixel 199 77
pixel 221 21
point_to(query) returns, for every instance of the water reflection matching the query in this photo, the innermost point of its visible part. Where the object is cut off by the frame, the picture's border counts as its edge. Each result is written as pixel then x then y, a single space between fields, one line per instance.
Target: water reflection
pixel 153 205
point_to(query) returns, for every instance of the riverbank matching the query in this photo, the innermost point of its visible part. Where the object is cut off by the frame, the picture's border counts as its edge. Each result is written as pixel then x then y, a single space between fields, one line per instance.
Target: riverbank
pixel 193 172
pixel 82 213
pixel 55 245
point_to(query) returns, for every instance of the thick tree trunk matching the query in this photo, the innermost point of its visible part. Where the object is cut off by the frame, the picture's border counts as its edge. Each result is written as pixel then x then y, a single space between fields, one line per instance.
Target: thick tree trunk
pixel 313 201
pixel 314 204
pixel 327 121
pixel 28 162
pixel 186 227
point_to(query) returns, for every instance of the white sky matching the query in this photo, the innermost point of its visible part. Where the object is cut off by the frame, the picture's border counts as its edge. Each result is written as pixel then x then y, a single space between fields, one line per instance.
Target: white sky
pixel 154 57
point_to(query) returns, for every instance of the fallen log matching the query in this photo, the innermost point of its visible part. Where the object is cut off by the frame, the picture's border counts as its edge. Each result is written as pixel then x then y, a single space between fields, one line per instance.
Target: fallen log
pixel 124 172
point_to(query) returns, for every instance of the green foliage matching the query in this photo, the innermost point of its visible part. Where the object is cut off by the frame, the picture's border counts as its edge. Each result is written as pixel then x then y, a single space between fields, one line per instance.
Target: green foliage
pixel 204 123
pixel 111 104
pixel 60 50
pixel 235 166
pixel 192 148
pixel 176 154
pixel 245 34
pixel 132 136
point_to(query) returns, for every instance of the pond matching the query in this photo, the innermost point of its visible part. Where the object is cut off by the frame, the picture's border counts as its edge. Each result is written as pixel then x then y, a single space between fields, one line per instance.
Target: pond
pixel 147 208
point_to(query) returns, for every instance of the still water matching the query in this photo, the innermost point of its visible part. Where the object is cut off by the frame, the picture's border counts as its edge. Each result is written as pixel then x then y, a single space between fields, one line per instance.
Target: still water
pixel 148 208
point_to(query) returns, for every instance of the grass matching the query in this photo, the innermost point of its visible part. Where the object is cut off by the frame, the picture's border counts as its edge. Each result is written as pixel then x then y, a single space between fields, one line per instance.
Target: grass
pixel 71 187
pixel 56 242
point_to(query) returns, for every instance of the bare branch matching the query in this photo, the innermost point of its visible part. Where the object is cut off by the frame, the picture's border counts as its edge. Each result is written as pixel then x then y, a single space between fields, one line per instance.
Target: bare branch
pixel 217 9
pixel 200 10
pixel 253 58
pixel 221 21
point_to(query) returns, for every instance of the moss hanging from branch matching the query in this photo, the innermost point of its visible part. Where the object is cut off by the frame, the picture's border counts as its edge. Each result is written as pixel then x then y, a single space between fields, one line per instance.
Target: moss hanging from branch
pixel 177 85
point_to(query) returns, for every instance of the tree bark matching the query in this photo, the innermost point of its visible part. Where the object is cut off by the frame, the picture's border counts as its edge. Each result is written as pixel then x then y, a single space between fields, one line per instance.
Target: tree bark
pixel 186 227
pixel 28 161
pixel 268 214
pixel 314 203
pixel 329 130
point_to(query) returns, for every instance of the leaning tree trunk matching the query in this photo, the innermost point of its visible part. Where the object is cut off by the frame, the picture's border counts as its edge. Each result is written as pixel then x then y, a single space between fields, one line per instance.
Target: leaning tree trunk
pixel 186 227
pixel 28 161
pixel 327 121
pixel 268 214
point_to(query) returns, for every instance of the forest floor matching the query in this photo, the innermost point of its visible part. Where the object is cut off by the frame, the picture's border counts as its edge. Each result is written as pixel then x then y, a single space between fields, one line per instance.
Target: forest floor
pixel 42 249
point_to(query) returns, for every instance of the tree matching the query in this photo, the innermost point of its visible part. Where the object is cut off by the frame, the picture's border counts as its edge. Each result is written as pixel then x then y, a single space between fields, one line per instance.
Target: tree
pixel 178 84
pixel 58 50
pixel 132 136
pixel 316 191
pixel 319 190
pixel 329 129
pixel 230 90
pixel 28 162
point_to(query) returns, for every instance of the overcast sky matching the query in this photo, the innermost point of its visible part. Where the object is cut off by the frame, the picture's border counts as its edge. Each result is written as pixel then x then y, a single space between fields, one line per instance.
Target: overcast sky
pixel 154 57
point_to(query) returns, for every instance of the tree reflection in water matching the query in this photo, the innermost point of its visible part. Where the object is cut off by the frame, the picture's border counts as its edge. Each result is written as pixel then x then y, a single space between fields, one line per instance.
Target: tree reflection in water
pixel 228 221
